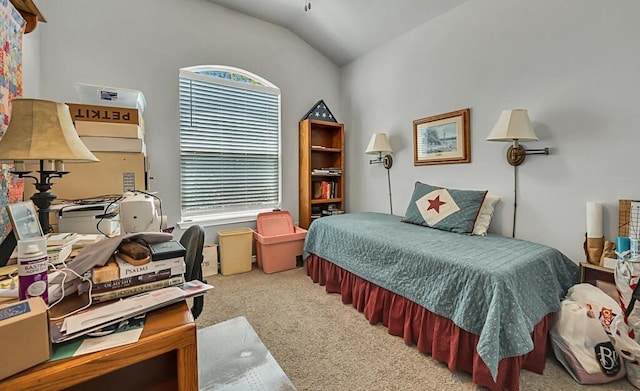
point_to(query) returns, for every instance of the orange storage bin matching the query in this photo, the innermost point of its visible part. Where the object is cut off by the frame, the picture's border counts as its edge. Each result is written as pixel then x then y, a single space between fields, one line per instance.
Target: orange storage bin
pixel 278 241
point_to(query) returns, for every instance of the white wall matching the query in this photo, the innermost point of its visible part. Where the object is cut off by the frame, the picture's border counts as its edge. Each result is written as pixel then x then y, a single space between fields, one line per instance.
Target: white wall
pixel 31 64
pixel 573 64
pixel 142 45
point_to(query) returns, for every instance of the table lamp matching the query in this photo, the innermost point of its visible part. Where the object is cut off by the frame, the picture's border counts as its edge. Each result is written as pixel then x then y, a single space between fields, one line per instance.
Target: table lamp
pixel 42 131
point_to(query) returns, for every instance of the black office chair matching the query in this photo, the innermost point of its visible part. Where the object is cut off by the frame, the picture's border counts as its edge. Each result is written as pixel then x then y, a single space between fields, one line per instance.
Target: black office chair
pixel 193 241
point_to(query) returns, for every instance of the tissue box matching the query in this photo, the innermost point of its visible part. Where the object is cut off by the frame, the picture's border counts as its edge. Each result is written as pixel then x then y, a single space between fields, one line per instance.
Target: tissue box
pixel 24 335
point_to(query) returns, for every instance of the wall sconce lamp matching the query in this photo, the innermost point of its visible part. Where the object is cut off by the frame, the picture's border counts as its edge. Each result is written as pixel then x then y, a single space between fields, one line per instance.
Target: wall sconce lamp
pixel 514 126
pixel 379 144
pixel 42 131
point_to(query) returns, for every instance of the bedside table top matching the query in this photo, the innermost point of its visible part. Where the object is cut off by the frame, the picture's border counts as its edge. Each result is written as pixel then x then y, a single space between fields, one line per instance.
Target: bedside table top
pixel 596 267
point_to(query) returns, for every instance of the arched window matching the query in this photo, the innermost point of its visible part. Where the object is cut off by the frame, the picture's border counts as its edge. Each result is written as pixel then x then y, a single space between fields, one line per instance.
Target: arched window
pixel 229 145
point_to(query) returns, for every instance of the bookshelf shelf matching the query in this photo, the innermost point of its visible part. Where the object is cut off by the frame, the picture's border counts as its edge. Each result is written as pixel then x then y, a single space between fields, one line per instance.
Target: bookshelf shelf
pixel 319 201
pixel 321 149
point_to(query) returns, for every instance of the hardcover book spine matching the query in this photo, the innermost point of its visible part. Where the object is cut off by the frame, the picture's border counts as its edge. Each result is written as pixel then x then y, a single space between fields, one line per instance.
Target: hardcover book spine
pixel 134 290
pixel 127 270
pixel 137 280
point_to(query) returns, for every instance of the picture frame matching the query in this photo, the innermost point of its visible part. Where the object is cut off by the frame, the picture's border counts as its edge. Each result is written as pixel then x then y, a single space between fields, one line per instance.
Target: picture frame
pixel 442 139
pixel 24 220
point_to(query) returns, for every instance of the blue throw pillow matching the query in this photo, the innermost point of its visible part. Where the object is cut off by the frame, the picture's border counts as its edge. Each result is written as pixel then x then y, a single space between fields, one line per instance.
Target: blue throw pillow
pixel 445 209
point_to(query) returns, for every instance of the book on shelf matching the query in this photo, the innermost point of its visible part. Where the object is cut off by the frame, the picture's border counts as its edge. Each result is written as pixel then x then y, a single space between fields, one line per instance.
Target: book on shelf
pixel 136 289
pixel 325 190
pixel 166 250
pixel 319 171
pixel 329 171
pixel 108 129
pixel 114 144
pixel 317 190
pixel 331 212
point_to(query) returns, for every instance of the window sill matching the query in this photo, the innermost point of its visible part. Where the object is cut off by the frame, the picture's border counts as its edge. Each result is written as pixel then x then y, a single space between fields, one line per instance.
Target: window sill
pixel 221 219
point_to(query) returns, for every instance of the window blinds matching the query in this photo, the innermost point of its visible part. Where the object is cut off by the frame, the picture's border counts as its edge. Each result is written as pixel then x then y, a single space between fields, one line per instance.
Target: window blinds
pixel 229 146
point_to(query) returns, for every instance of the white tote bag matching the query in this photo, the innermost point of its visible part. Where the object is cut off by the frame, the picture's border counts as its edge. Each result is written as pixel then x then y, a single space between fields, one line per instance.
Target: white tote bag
pixel 580 336
pixel 626 326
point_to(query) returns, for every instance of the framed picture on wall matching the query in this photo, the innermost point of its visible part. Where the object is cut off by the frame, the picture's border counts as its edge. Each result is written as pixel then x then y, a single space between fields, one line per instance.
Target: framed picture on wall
pixel 442 139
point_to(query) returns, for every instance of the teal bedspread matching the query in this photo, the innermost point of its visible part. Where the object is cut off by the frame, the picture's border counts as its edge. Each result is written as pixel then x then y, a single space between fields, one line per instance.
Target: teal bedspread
pixel 495 287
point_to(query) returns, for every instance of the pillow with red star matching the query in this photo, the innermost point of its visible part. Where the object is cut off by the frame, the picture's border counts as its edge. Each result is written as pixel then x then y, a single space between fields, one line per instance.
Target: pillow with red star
pixel 445 209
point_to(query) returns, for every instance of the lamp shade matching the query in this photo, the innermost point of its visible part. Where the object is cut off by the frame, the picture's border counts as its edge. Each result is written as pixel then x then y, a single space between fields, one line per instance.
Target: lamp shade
pixel 378 143
pixel 512 125
pixel 42 130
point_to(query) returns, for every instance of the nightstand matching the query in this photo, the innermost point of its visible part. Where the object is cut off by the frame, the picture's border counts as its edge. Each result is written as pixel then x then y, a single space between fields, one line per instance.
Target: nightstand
pixel 590 273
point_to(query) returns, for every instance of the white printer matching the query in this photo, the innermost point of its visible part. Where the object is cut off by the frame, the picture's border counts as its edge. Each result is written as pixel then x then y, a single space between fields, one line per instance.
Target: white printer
pixel 88 218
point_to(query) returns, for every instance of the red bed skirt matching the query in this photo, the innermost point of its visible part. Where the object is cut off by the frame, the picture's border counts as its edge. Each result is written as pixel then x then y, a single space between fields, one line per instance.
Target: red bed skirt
pixel 416 325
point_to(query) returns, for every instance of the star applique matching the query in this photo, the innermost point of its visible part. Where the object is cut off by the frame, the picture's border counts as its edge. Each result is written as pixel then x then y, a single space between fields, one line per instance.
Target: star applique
pixel 435 204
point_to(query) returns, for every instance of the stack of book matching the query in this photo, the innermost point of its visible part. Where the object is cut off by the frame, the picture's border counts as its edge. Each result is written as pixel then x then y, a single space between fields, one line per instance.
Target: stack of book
pixel 331 212
pixel 108 128
pixel 59 246
pixel 118 279
pixel 327 171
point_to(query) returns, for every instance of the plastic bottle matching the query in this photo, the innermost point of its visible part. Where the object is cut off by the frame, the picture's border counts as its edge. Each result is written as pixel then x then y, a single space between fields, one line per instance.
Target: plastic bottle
pixel 32 268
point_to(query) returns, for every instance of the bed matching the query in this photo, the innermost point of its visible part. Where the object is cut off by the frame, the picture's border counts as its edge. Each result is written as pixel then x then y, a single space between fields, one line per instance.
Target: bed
pixel 482 304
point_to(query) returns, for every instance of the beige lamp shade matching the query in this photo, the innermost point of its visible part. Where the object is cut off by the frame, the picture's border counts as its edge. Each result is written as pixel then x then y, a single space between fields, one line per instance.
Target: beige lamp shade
pixel 512 125
pixel 378 143
pixel 42 130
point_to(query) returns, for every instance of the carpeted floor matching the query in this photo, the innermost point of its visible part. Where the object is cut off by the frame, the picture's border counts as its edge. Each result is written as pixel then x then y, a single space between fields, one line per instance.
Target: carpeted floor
pixel 322 344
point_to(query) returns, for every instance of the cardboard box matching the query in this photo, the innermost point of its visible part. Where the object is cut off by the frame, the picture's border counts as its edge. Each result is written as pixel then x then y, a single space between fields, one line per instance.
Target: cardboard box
pixel 115 173
pixel 24 335
pixel 96 113
pixel 114 144
pixel 109 129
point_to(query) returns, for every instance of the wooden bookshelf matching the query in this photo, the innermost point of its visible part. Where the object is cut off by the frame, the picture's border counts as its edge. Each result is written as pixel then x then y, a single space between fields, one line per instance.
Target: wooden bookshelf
pixel 321 158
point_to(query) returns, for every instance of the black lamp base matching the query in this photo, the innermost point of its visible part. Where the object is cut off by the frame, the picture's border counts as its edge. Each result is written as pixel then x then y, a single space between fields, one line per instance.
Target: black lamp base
pixel 43 201
pixel 43 198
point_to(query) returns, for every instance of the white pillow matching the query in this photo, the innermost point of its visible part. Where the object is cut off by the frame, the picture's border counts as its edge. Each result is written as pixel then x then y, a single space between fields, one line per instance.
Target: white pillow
pixel 485 214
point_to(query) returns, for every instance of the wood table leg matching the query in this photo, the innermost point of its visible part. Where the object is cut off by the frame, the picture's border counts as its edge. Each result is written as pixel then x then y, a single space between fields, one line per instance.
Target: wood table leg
pixel 188 365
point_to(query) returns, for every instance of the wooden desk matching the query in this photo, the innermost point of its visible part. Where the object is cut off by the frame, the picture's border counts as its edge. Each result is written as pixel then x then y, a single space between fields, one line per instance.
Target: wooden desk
pixel 165 358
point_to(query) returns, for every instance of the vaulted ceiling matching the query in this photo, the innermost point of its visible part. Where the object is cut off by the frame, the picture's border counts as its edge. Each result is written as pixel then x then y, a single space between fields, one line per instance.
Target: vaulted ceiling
pixel 343 30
